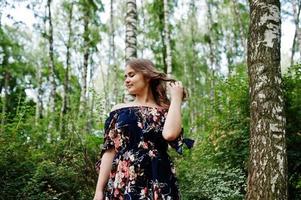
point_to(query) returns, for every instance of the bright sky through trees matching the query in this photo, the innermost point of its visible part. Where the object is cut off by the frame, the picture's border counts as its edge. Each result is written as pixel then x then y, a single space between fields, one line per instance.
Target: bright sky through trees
pixel 21 13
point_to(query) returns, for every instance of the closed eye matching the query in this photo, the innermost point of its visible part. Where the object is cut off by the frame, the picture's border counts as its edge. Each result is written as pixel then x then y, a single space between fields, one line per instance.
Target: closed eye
pixel 131 74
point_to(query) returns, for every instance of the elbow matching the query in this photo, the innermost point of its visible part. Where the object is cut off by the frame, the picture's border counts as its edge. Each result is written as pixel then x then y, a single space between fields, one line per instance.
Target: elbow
pixel 170 136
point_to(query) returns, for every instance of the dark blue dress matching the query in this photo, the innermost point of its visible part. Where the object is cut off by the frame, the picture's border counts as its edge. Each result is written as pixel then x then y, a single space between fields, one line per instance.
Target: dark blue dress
pixel 141 168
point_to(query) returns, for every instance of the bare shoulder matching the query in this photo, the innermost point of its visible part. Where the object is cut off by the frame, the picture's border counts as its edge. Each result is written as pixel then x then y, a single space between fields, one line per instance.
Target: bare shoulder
pixel 120 105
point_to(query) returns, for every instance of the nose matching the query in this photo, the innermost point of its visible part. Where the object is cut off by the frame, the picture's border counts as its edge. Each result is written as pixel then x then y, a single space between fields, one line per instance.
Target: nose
pixel 127 80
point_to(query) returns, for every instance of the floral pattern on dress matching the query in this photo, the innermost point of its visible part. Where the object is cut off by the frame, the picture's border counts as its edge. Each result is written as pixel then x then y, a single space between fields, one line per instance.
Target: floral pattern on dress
pixel 141 168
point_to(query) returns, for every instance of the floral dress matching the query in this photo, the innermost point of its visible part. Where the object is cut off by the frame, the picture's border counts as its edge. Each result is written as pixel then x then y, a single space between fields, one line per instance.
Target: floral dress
pixel 141 168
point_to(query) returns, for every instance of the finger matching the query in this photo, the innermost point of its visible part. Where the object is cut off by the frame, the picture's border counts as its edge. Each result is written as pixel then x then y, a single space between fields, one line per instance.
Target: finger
pixel 171 84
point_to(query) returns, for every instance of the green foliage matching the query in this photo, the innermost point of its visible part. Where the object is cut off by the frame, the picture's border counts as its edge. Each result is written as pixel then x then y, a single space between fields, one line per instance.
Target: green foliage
pixel 217 163
pixel 155 31
pixel 39 160
pixel 292 94
pixel 229 126
pixel 15 72
pixel 36 164
pixel 213 183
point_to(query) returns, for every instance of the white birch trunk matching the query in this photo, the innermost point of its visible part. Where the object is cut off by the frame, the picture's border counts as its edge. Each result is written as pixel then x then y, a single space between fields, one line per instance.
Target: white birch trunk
pixel 83 99
pixel 167 38
pixel 131 30
pixel 51 61
pixel 297 37
pixel 267 177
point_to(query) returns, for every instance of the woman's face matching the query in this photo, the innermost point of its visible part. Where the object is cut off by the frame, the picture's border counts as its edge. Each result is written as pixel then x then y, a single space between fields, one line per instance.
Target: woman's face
pixel 134 81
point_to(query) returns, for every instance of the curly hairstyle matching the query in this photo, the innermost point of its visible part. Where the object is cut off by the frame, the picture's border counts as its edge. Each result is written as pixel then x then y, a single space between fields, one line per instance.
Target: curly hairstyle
pixel 157 79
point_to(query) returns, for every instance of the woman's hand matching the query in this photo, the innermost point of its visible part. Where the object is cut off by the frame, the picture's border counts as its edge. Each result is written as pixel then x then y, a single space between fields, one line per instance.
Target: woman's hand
pixel 98 195
pixel 176 90
pixel 173 121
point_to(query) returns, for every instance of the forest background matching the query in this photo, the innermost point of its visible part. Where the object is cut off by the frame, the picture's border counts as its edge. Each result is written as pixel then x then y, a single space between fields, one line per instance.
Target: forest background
pixel 62 72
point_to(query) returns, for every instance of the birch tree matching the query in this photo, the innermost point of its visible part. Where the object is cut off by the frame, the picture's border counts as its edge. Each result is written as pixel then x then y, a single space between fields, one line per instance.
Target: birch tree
pixel 5 86
pixel 131 30
pixel 267 176
pixel 90 39
pixel 86 57
pixel 168 58
pixel 51 60
pixel 39 106
pixel 65 101
pixel 296 5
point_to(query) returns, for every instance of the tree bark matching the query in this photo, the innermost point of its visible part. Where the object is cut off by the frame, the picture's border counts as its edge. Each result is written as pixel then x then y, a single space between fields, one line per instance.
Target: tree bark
pixel 39 106
pixel 112 34
pixel 51 64
pixel 242 32
pixel 131 30
pixel 212 57
pixel 142 18
pixel 296 13
pixel 193 68
pixel 297 36
pixel 4 99
pixel 168 58
pixel 65 102
pixel 114 65
pixel 83 101
pixel 267 177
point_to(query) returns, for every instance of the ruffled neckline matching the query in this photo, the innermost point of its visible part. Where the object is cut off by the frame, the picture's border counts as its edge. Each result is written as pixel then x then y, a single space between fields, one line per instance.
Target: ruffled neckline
pixel 138 107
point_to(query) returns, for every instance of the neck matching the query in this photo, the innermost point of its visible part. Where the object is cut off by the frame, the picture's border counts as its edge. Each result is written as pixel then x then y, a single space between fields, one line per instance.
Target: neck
pixel 145 98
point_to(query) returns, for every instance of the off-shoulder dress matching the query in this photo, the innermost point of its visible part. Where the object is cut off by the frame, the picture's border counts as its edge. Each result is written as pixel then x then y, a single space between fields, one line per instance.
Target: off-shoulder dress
pixel 141 168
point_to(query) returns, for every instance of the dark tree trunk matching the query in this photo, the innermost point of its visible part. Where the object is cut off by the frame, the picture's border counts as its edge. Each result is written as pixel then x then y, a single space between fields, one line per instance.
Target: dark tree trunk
pixel 51 57
pixel 267 177
pixel 65 102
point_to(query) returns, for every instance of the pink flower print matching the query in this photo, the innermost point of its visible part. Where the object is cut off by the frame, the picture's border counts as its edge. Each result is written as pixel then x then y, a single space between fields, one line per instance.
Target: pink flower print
pixel 140 144
pixel 112 134
pixel 117 141
pixel 140 125
pixel 156 190
pixel 152 153
pixel 123 166
pixel 132 157
pixel 112 174
pixel 156 195
pixel 143 144
pixel 116 192
pixel 132 173
pixel 118 180
pixel 143 193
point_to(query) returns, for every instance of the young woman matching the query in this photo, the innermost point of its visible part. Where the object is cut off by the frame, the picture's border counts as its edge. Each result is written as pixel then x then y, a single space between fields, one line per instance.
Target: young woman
pixel 135 163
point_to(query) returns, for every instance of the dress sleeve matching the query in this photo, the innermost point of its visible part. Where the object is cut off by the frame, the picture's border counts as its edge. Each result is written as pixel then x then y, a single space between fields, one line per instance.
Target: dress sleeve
pixel 111 137
pixel 178 143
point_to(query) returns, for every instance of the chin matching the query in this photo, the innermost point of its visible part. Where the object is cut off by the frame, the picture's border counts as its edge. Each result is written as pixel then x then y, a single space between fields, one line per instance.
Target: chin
pixel 131 92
